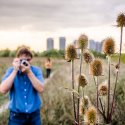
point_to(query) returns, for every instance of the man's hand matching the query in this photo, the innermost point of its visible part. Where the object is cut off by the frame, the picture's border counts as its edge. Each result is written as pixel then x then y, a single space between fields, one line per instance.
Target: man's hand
pixel 16 64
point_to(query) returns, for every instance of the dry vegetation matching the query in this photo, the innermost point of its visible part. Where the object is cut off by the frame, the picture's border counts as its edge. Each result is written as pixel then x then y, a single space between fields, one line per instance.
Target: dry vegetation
pixel 57 103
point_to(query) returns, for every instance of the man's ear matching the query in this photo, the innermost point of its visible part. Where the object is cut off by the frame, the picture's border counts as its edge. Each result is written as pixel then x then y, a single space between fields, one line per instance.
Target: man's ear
pixel 30 61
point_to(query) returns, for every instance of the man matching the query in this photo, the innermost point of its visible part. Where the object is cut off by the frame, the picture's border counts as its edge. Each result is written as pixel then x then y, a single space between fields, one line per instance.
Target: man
pixel 24 82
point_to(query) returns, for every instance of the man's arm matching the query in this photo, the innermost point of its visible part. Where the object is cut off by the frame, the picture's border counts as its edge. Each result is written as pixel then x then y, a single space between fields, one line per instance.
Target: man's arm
pixel 7 83
pixel 35 82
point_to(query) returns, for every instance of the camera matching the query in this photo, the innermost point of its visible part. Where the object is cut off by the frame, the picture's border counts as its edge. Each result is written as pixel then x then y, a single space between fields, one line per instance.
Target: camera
pixel 24 62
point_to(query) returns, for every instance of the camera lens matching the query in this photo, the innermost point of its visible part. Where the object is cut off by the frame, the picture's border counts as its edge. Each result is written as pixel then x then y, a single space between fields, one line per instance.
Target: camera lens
pixel 24 62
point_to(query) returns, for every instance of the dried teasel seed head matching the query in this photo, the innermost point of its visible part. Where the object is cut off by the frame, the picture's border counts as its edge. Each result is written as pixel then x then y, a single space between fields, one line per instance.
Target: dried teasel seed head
pixel 103 89
pixel 88 57
pixel 82 81
pixel 121 20
pixel 109 46
pixel 96 67
pixel 91 115
pixel 85 101
pixel 82 41
pixel 70 53
pixel 82 110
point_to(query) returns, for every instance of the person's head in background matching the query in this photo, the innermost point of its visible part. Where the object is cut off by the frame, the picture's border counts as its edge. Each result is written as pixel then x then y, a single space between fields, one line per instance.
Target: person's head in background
pixel 24 53
pixel 48 59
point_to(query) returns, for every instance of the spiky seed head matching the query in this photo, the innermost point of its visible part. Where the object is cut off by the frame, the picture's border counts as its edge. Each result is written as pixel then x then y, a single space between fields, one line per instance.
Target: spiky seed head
pixel 67 59
pixel 103 89
pixel 91 115
pixel 121 20
pixel 85 101
pixel 82 81
pixel 88 57
pixel 109 46
pixel 70 53
pixel 96 67
pixel 82 110
pixel 82 41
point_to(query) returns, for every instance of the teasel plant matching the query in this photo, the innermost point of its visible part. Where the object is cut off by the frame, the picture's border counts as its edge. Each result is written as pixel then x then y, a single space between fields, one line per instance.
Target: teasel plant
pixel 121 24
pixel 96 72
pixel 91 116
pixel 82 82
pixel 82 43
pixel 70 56
pixel 103 92
pixel 103 89
pixel 109 50
pixel 84 105
pixel 88 58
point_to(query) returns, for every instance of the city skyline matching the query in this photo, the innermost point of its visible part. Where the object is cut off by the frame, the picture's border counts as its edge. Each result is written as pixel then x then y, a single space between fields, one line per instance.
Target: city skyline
pixel 32 22
pixel 55 43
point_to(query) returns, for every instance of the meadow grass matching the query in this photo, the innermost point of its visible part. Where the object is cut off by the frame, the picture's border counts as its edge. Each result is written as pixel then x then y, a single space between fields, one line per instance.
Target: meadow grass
pixel 115 58
pixel 57 104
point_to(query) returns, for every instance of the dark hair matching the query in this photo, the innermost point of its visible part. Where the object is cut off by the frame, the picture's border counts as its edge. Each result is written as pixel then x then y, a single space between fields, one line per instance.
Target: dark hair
pixel 48 59
pixel 24 50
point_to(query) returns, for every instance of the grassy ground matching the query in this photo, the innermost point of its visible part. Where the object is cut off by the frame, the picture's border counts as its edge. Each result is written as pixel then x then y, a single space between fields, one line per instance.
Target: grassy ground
pixel 57 103
pixel 115 58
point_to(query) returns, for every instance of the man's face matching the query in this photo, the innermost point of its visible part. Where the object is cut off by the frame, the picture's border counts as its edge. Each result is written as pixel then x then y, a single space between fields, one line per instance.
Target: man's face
pixel 25 57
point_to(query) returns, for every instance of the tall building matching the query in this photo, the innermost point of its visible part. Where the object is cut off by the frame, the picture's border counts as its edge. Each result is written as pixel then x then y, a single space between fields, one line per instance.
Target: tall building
pixel 62 43
pixel 50 43
pixel 99 46
pixel 96 46
pixel 92 45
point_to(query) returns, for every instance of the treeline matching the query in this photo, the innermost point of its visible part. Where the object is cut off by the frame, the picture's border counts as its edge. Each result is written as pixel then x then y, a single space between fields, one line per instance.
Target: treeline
pixel 50 53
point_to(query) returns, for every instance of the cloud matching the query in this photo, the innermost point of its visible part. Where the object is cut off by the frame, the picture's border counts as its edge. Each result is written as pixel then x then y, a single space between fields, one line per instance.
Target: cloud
pixel 49 15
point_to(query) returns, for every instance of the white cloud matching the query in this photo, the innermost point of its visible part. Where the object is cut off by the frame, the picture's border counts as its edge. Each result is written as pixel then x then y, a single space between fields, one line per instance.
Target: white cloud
pixel 44 15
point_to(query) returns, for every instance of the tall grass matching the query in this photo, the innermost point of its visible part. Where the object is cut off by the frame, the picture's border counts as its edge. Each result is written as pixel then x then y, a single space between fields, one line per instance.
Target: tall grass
pixel 57 105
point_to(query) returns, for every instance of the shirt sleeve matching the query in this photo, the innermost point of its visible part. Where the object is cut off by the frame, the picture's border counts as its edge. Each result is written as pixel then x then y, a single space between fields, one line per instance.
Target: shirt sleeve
pixel 39 76
pixel 7 74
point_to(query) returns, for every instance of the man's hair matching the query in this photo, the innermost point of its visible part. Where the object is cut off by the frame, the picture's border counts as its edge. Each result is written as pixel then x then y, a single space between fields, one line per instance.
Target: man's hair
pixel 24 50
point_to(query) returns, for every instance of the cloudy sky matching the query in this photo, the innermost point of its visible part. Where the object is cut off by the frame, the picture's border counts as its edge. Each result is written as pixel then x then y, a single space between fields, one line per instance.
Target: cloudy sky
pixel 30 22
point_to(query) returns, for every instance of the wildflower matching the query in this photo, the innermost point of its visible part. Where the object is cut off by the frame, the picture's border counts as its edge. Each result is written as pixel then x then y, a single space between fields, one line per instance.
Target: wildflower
pixel 96 67
pixel 109 46
pixel 91 115
pixel 82 41
pixel 70 53
pixel 82 81
pixel 103 89
pixel 82 110
pixel 88 57
pixel 121 20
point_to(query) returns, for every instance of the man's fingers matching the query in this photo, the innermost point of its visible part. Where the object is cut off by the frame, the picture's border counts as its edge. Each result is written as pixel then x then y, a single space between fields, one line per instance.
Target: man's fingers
pixel 16 60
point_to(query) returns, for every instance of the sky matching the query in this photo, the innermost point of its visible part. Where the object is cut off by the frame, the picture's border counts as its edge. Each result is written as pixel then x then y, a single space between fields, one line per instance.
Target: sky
pixel 31 22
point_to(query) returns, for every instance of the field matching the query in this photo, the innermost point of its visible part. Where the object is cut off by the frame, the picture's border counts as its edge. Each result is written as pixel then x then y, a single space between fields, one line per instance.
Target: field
pixel 57 104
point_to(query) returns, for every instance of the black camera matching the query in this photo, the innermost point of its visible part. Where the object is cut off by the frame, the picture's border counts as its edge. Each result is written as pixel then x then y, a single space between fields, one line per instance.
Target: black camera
pixel 24 62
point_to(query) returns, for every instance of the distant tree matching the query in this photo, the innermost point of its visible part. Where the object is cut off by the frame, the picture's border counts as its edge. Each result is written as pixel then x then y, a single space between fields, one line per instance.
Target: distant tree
pixel 4 53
